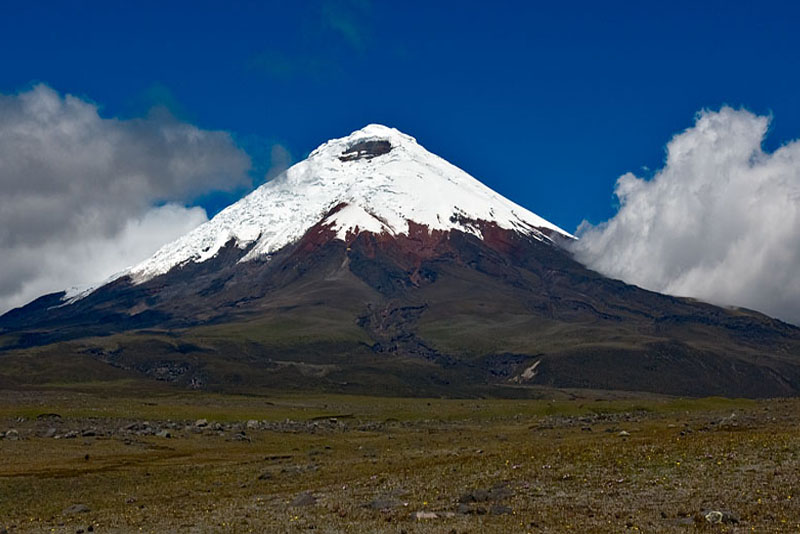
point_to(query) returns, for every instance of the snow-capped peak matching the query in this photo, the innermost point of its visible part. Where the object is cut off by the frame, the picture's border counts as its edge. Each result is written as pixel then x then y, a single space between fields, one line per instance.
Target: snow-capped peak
pixel 379 177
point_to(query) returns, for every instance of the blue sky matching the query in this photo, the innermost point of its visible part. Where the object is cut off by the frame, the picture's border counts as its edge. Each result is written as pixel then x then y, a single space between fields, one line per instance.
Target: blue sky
pixel 123 125
pixel 548 104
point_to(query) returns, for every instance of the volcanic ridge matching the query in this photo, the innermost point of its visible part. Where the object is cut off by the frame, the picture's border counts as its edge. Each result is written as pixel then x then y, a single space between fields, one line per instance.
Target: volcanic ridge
pixel 374 266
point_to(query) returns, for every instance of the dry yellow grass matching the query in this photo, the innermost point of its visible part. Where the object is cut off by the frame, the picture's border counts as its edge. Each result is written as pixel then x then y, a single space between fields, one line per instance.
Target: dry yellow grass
pixel 554 467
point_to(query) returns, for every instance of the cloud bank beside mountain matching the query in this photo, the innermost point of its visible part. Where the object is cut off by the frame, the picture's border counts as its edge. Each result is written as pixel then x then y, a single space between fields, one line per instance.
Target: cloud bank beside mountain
pixel 85 196
pixel 720 221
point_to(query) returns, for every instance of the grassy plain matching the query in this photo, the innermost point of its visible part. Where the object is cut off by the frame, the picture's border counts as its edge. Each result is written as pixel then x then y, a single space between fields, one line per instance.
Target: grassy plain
pixel 577 462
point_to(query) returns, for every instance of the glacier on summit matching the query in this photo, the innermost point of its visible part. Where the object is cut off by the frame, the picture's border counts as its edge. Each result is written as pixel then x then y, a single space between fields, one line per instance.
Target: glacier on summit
pixel 380 178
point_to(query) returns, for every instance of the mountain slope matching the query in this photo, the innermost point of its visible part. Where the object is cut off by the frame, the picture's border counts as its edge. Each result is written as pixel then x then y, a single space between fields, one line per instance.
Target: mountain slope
pixel 381 181
pixel 374 266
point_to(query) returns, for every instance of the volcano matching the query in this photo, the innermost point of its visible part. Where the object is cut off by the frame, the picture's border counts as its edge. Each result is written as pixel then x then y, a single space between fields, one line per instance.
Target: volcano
pixel 374 266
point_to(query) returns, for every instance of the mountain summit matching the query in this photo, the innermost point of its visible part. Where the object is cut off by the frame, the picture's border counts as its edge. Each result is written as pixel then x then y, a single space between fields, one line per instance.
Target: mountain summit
pixel 376 179
pixel 374 266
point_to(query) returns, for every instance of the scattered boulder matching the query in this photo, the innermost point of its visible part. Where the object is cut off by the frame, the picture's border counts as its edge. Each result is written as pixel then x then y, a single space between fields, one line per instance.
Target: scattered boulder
pixel 476 495
pixel 11 435
pixel 241 436
pixel 500 509
pixel 473 509
pixel 718 516
pixel 252 424
pixel 422 516
pixel 201 423
pixel 76 509
pixel 497 493
pixel 164 434
pixel 624 434
pixel 304 499
pixel 472 501
pixel 383 504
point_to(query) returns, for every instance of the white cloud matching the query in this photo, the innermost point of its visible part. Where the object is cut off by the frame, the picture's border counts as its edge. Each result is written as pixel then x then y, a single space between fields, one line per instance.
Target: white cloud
pixel 84 262
pixel 720 221
pixel 85 196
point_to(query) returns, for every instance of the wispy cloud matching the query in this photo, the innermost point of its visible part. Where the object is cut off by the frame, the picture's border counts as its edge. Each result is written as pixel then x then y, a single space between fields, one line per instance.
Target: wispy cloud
pixel 720 221
pixel 280 160
pixel 156 96
pixel 348 18
pixel 284 65
pixel 328 39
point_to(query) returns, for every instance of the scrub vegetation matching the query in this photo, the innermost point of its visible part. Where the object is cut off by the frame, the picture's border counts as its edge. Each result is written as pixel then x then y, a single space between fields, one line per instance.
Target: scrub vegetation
pixel 132 456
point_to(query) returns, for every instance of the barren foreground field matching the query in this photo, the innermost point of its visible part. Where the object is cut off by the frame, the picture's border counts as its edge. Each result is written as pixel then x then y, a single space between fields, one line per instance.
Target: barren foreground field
pixel 93 460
